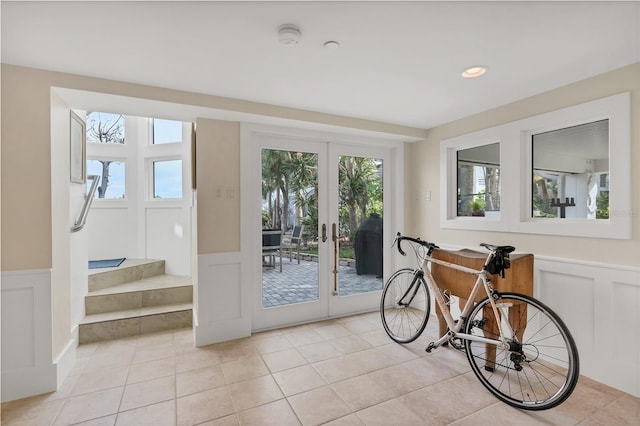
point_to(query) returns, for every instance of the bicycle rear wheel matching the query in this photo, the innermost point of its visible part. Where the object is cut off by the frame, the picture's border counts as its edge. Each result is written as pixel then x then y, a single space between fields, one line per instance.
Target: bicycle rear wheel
pixel 405 305
pixel 541 367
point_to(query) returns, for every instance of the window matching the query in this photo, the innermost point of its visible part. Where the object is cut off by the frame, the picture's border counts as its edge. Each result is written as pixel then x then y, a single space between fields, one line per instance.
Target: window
pixel 166 131
pixel 565 172
pixel 103 127
pixel 569 167
pixel 113 184
pixel 167 179
pixel 479 181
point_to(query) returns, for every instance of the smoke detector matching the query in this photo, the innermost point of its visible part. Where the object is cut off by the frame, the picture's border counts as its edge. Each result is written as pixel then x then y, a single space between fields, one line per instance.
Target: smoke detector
pixel 289 34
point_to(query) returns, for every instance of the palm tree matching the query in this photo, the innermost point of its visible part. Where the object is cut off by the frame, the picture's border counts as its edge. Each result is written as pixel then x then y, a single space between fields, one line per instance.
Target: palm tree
pixel 271 183
pixel 302 169
pixel 358 177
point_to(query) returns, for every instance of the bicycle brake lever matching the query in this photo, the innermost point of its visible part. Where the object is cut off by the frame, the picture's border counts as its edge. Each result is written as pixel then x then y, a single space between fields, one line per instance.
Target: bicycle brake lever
pixel 399 239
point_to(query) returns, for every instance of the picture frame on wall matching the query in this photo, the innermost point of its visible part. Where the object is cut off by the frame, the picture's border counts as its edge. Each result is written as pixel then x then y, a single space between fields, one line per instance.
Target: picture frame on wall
pixel 78 154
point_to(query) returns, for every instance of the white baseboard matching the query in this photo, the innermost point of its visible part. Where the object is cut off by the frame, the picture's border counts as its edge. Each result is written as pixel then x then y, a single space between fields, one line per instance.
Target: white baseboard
pixel 65 361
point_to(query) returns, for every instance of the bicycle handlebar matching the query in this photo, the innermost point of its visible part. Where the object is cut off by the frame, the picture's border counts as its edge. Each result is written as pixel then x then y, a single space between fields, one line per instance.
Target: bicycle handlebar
pixel 399 239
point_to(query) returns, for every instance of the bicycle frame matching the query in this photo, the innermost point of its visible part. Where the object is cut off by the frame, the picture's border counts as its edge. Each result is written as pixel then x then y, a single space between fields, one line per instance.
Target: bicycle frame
pixel 454 328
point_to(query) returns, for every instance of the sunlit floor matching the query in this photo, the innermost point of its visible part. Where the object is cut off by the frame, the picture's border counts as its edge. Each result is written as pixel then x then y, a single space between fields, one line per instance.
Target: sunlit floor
pixel 342 372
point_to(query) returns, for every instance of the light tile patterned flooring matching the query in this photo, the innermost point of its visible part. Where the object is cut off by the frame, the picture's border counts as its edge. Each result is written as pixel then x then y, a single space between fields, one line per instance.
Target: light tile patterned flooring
pixel 340 372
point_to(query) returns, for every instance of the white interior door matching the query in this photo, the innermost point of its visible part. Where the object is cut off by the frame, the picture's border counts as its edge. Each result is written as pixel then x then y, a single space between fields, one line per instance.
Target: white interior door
pixel 335 192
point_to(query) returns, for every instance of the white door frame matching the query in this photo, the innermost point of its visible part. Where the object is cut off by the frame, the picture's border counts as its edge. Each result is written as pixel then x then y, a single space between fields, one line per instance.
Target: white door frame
pixel 250 135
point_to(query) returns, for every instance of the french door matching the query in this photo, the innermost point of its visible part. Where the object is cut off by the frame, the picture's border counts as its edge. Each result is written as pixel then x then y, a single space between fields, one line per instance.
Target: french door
pixel 338 195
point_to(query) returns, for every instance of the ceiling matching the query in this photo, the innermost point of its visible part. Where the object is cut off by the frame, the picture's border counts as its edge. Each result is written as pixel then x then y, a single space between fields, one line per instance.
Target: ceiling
pixel 398 62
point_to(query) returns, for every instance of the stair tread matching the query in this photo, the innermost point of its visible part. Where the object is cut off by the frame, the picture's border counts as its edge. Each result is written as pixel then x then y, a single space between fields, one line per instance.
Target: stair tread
pixel 152 283
pixel 133 313
pixel 128 263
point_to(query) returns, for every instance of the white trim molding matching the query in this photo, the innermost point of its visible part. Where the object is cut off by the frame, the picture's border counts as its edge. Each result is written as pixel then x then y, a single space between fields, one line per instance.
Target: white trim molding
pixel 224 299
pixel 516 172
pixel 600 303
pixel 27 367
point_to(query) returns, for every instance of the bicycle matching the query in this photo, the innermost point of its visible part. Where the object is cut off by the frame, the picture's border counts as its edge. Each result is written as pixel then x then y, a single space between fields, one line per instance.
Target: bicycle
pixel 518 348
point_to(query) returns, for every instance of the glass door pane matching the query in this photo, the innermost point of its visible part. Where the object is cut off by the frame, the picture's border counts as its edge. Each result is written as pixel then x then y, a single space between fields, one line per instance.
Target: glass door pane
pixel 290 227
pixel 360 213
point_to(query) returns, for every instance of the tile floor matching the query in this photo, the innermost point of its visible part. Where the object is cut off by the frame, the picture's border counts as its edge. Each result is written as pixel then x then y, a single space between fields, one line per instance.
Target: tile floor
pixel 339 372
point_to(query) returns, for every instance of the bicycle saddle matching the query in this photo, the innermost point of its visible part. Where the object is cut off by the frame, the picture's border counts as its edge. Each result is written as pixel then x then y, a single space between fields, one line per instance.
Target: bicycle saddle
pixel 503 249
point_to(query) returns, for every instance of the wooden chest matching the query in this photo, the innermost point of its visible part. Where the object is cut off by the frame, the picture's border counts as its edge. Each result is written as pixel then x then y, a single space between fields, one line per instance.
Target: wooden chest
pixel 518 278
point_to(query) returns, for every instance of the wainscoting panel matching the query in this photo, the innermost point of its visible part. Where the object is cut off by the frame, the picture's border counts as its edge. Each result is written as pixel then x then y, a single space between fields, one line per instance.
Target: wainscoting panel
pixel 27 367
pixel 224 302
pixel 558 291
pixel 601 306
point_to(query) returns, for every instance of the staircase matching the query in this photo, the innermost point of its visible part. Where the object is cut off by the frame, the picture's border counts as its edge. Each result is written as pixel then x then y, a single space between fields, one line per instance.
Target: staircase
pixel 135 298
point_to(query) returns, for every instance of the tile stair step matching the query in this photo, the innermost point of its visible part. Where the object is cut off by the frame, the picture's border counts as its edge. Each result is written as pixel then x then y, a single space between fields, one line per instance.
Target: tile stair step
pixel 134 322
pixel 145 284
pixel 154 291
pixel 135 313
pixel 130 270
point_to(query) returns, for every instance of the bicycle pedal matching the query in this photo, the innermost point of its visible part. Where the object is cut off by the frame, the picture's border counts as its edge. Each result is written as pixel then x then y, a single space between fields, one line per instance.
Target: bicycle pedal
pixel 431 347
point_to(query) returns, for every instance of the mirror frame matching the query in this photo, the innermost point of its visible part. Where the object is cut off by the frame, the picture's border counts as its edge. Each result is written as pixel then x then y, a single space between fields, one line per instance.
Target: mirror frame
pixel 516 165
pixel 448 173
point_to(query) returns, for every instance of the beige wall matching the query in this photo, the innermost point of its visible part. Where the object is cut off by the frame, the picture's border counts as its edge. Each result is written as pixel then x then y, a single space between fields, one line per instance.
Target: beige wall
pixel 26 172
pixel 423 174
pixel 218 181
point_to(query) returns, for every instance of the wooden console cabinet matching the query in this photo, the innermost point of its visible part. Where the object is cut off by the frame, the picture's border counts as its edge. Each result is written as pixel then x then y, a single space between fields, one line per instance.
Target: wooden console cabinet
pixel 518 278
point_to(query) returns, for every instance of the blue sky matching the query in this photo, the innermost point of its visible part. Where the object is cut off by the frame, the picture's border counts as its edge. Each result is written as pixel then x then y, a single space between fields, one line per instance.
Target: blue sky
pixel 167 173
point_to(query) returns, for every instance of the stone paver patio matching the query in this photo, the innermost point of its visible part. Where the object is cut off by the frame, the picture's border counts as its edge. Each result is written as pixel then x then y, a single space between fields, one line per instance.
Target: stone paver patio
pixel 299 282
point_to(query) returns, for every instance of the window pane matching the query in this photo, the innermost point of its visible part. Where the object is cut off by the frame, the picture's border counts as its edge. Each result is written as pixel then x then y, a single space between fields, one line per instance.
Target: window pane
pixel 167 179
pixel 571 172
pixel 166 131
pixel 479 181
pixel 360 214
pixel 113 187
pixel 104 127
pixel 289 211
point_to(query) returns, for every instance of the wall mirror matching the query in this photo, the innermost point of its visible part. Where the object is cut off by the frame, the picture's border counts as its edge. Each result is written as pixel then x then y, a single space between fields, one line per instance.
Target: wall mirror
pixel 571 172
pixel 565 172
pixel 478 176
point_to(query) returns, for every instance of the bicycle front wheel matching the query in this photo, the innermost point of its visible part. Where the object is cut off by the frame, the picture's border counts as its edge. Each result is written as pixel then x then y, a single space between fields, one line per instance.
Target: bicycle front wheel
pixel 405 305
pixel 540 368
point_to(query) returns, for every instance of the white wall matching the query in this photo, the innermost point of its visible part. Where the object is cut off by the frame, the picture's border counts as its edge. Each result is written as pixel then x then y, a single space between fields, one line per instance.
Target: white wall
pixel 140 227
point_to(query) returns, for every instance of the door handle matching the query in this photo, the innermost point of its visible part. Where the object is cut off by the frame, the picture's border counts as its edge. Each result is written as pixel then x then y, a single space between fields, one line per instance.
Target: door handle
pixel 324 232
pixel 334 237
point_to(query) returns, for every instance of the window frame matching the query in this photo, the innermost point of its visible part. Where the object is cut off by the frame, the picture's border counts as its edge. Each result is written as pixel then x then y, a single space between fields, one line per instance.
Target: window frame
pixel 151 130
pixel 151 179
pixel 449 174
pixel 116 202
pixel 516 168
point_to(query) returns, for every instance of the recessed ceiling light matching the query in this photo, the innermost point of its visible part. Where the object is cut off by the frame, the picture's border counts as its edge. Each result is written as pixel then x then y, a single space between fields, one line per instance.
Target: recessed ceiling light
pixel 475 71
pixel 331 44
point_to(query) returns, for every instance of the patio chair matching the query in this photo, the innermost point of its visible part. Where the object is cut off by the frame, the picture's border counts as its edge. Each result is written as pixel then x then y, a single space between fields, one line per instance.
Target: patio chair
pixel 294 241
pixel 271 247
